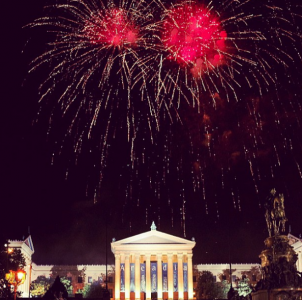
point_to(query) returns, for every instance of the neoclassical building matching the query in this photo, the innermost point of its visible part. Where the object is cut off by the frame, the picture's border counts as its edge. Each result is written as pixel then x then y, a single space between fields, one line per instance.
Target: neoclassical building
pixel 296 243
pixel 153 264
pixel 27 249
pixel 149 265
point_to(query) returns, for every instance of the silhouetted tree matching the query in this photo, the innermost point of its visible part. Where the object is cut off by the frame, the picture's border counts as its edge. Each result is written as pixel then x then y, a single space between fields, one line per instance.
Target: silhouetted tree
pixel 69 277
pixel 56 291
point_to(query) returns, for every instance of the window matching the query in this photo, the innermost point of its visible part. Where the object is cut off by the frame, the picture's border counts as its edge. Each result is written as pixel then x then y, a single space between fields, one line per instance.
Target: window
pixel 223 277
pixel 69 279
pixel 233 278
pixel 254 277
pixel 89 279
pixel 80 279
pixel 100 279
pixel 111 293
pixel 243 277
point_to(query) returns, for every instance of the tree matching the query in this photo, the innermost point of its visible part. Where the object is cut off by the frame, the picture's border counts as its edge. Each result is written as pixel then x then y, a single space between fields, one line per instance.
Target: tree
pixel 95 290
pixel 10 259
pixel 243 287
pixel 39 286
pixel 207 288
pixel 254 275
pixel 67 284
pixel 225 275
pixel 56 291
pixel 70 277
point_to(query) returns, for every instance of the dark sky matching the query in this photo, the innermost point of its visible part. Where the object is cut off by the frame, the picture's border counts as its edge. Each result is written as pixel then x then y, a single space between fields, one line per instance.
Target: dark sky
pixel 68 227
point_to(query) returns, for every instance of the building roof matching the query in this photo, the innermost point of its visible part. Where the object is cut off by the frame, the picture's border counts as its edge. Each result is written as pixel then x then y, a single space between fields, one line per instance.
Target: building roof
pixel 295 242
pixel 25 246
pixel 153 241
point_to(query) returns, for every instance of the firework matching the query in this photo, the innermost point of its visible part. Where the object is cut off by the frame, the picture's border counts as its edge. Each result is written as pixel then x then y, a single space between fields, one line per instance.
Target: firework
pixel 194 36
pixel 113 29
pixel 224 48
pixel 192 50
pixel 131 70
pixel 94 58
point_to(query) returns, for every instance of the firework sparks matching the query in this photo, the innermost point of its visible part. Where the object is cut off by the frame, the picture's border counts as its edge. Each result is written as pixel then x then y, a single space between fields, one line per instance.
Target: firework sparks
pixel 96 50
pixel 133 67
pixel 224 49
pixel 193 35
pixel 113 29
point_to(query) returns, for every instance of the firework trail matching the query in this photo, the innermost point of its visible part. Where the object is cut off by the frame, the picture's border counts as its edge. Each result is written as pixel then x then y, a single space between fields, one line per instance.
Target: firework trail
pixel 96 51
pixel 133 69
pixel 225 47
pixel 127 51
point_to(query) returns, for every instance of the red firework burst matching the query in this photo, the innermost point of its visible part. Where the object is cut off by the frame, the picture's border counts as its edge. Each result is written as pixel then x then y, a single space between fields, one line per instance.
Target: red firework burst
pixel 193 35
pixel 114 29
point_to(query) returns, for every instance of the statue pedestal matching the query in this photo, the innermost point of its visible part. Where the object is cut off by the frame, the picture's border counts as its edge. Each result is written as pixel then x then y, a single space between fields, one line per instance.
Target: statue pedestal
pixel 278 294
pixel 280 278
pixel 278 264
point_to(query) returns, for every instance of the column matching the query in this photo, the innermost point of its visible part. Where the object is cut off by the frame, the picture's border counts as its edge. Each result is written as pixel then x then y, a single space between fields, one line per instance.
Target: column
pixel 137 277
pixel 180 276
pixel 190 277
pixel 170 276
pixel 127 277
pixel 117 288
pixel 148 278
pixel 159 277
pixel 299 262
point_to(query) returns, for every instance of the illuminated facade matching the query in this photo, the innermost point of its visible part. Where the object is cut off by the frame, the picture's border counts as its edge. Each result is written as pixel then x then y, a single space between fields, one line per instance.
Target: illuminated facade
pixel 296 243
pixel 78 275
pixel 153 265
pixel 166 261
pixel 27 249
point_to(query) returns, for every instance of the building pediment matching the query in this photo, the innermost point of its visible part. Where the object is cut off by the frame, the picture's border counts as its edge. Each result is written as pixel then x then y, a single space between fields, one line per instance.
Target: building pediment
pixel 293 239
pixel 295 242
pixel 153 237
pixel 153 240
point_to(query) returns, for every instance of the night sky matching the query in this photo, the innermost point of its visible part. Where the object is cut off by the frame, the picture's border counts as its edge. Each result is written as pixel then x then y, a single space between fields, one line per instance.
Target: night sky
pixel 67 212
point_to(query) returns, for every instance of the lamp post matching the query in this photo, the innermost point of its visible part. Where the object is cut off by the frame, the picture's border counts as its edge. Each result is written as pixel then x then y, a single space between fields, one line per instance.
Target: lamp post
pixel 15 278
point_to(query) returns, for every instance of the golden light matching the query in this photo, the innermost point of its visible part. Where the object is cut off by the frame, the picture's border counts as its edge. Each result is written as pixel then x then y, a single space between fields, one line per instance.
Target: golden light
pixel 15 278
pixel 21 276
pixel 7 276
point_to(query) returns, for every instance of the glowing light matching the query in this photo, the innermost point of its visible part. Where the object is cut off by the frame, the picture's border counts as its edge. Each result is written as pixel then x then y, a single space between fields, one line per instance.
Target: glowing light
pixel 21 275
pixel 113 29
pixel 133 69
pixel 194 36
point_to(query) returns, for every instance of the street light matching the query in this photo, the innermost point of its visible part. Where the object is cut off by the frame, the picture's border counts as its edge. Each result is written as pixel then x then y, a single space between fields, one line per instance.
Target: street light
pixel 15 278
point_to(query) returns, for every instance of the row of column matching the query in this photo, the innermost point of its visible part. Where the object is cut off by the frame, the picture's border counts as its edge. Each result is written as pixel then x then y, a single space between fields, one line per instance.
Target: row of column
pixel 125 258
